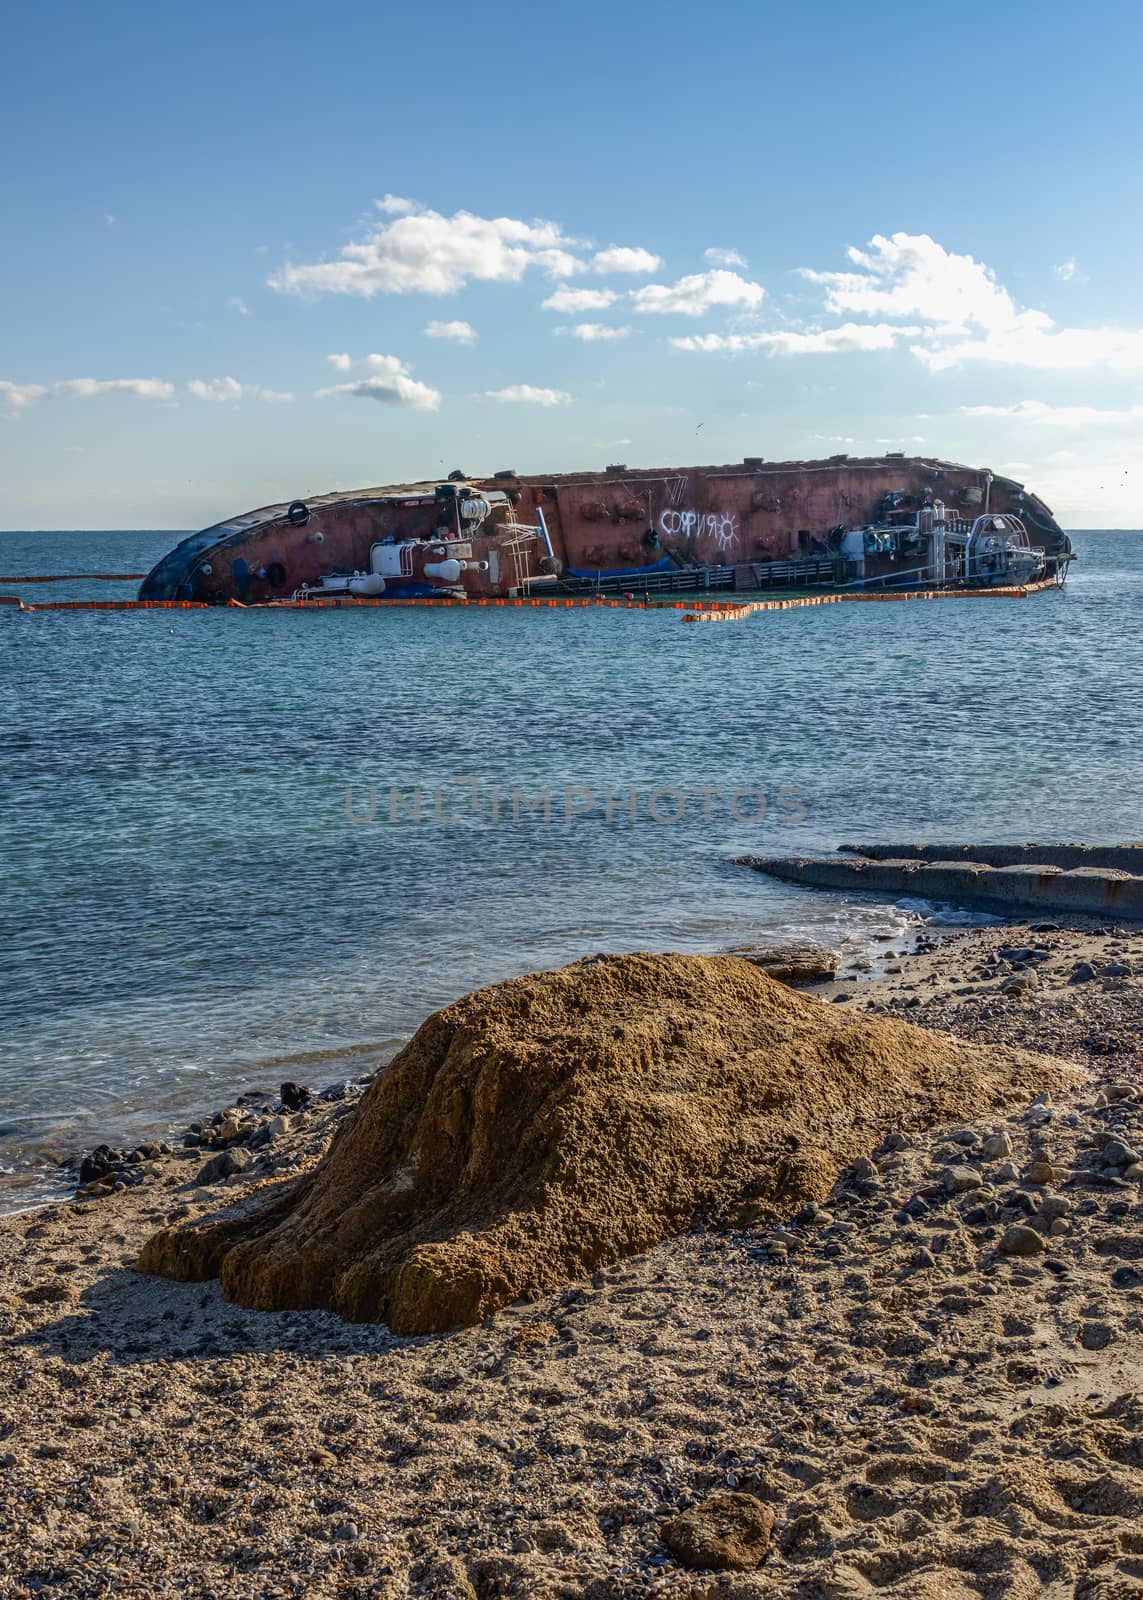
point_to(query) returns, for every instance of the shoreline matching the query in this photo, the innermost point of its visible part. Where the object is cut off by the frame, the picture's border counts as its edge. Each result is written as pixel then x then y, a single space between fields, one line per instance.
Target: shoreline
pixel 917 1406
pixel 30 1180
pixel 915 973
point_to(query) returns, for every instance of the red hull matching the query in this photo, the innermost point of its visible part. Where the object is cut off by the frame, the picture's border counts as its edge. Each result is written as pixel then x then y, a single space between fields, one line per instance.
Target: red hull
pixel 599 524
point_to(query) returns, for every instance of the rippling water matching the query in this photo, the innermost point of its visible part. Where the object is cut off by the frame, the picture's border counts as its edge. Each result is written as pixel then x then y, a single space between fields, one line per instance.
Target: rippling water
pixel 188 908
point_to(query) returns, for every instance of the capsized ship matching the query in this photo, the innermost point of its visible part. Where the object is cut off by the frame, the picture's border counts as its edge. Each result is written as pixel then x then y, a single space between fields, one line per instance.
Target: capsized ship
pixel 886 522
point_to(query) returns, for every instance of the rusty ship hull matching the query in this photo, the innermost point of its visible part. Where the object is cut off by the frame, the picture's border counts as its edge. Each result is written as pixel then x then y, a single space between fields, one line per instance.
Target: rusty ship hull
pixel 739 525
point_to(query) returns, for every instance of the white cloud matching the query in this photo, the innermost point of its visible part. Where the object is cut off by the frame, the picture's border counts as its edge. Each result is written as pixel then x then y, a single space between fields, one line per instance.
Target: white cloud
pixel 231 389
pixel 15 396
pixel 1066 350
pixel 238 305
pixel 110 219
pixel 418 250
pixel 725 258
pixel 396 205
pixel 216 389
pixel 693 296
pixel 1092 489
pixel 459 332
pixel 910 275
pixel 528 394
pixel 422 251
pixel 972 316
pixel 788 342
pixel 1067 270
pixel 595 332
pixel 397 391
pixel 621 258
pixel 141 388
pixel 341 362
pixel 391 383
pixel 572 301
pixel 1042 414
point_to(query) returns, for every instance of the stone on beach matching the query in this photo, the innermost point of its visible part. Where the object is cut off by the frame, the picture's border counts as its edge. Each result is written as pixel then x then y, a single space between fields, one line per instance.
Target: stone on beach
pixel 793 964
pixel 537 1130
pixel 1019 1240
pixel 727 1532
pixel 224 1166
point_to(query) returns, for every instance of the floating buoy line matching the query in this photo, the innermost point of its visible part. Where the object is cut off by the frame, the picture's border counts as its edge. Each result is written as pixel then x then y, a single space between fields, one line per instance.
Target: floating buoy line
pixel 693 610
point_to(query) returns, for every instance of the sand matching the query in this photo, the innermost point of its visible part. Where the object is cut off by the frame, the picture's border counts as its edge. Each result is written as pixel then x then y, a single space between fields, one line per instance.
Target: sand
pixel 544 1127
pixel 922 1413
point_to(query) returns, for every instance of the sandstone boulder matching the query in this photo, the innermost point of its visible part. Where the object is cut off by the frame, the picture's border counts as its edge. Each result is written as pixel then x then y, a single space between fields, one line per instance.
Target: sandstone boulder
pixel 726 1532
pixel 793 964
pixel 540 1129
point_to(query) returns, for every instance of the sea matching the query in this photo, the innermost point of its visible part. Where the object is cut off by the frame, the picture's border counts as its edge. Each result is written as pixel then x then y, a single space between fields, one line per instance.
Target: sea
pixel 245 846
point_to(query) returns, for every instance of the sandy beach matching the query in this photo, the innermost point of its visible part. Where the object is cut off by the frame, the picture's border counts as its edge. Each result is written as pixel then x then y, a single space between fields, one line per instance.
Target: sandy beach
pixel 931 1383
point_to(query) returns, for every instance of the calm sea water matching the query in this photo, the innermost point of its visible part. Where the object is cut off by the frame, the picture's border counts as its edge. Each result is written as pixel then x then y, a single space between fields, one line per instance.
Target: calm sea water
pixel 188 909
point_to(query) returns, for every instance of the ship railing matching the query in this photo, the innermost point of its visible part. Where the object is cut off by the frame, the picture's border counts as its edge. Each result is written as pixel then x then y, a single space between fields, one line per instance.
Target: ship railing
pixel 739 575
pixel 519 539
pixel 792 574
pixel 909 575
pixel 674 580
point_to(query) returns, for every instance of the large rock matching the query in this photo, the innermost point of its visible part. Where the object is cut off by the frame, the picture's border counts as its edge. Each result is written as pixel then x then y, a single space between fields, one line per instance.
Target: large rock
pixel 537 1130
pixel 793 964
pixel 726 1532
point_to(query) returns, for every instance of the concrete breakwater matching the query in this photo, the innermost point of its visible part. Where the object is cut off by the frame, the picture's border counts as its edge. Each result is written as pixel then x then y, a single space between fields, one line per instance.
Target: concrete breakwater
pixel 1115 857
pixel 1038 878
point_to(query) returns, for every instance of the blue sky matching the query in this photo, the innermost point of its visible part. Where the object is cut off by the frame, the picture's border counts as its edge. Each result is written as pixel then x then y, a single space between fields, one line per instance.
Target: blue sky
pixel 764 230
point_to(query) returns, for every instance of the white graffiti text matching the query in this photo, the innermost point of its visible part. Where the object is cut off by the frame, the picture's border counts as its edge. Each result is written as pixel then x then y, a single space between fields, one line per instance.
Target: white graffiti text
pixel 719 526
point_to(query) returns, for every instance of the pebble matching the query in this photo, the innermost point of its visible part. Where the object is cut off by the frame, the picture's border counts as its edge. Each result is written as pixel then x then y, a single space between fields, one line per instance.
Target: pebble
pixel 1096 1335
pixel 997 1145
pixel 1041 1173
pixel 1019 1240
pixel 958 1180
pixel 225 1165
